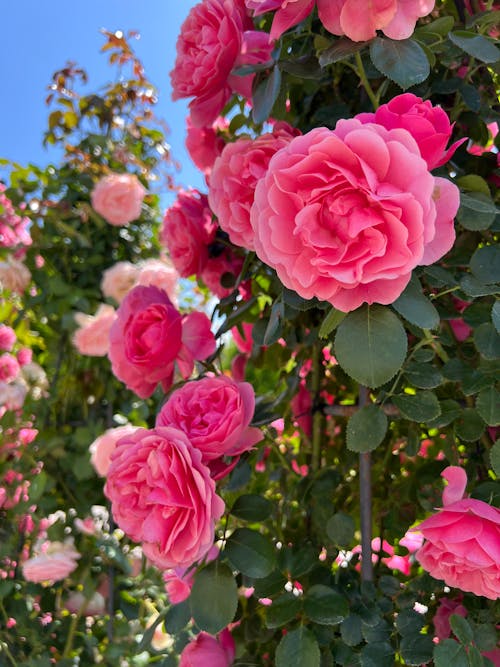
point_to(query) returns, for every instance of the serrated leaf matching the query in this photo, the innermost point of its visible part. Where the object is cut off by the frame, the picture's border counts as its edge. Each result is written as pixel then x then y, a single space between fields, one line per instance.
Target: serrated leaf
pixel 340 529
pixel 251 507
pixel 305 67
pixel 487 341
pixel 350 630
pixel 450 410
pixel 469 426
pixel 298 648
pixel 420 407
pixel 331 322
pixel 371 344
pixel 409 622
pixel 495 458
pixel 485 264
pixel 325 606
pixel 474 183
pixel 474 288
pixel 275 324
pixel 214 598
pixel 177 617
pixel 488 405
pixel 461 628
pixel 342 48
pixel 250 552
pixel 441 26
pixel 495 315
pixel 415 307
pixel 283 610
pixel 475 45
pixel 423 376
pixel 477 211
pixel 416 649
pixel 377 654
pixel 403 61
pixel 265 95
pixel 449 652
pixel 366 429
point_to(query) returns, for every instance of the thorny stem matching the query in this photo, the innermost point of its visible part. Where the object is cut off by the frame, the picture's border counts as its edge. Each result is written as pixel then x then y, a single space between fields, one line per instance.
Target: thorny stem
pixel 364 80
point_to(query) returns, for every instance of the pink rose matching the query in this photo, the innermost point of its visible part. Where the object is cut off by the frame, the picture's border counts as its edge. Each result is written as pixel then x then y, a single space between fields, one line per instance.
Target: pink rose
pixel 12 395
pixel 188 229
pixel 207 650
pixel 92 338
pixel 118 280
pixel 14 230
pixel 162 496
pixel 205 144
pixel 53 562
pixel 159 274
pixel 24 356
pixel 226 262
pixel 234 177
pixel 149 338
pixel 462 540
pixel 301 405
pixel 288 14
pixel 346 215
pixel 7 337
pixel 244 342
pixel 9 367
pixel 441 618
pixel 428 125
pixel 103 446
pixel 118 198
pixel 179 581
pixel 14 276
pixel 215 413
pixel 396 18
pixel 93 606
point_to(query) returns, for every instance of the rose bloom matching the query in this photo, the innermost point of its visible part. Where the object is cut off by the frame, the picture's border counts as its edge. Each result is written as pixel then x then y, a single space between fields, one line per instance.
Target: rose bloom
pixel 150 338
pixel 118 198
pixel 225 263
pixel 244 342
pixel 428 125
pixel 9 367
pixel 215 413
pixel 53 561
pixel 235 175
pixel 92 338
pixel 462 540
pixel 14 276
pixel 7 337
pixel 24 356
pixel 441 618
pixel 205 144
pixel 162 496
pixel 187 231
pixel 118 280
pixel 12 395
pixel 207 650
pixel 94 606
pixel 346 215
pixel 160 274
pixel 103 446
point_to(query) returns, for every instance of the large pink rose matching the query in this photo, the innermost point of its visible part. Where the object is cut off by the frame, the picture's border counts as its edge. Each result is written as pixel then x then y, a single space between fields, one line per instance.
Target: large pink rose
pixel 150 338
pixel 162 495
pixel 206 650
pixel 234 177
pixel 92 336
pixel 118 198
pixel 346 215
pixel 188 229
pixel 462 540
pixel 428 125
pixel 215 413
pixel 52 562
pixel 103 446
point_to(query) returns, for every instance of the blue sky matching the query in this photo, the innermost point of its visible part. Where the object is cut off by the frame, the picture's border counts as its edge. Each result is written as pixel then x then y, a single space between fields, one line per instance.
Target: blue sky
pixel 39 37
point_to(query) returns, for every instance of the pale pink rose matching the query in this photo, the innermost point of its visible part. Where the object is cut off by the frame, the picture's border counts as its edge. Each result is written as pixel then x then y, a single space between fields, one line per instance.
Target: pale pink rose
pixel 103 446
pixel 149 339
pixel 226 263
pixel 53 561
pixel 159 274
pixel 428 125
pixel 359 21
pixel 412 541
pixel 211 44
pixel 9 367
pixel 162 496
pixel 24 356
pixel 235 175
pixel 118 280
pixel 207 650
pixel 205 144
pixel 7 337
pixel 441 619
pixel 92 338
pixel 215 413
pixel 462 540
pixel 94 606
pixel 118 198
pixel 188 229
pixel 346 215
pixel 13 395
pixel 14 276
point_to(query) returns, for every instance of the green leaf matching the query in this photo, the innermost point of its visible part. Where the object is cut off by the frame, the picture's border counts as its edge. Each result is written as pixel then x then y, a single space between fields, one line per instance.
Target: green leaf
pixel 251 507
pixel 449 652
pixel 469 426
pixel 275 325
pixel 474 183
pixel 271 585
pixel 325 606
pixel 450 410
pixel 423 376
pixel 283 610
pixel 415 307
pixel 389 586
pixel 475 657
pixel 488 405
pixel 485 636
pixel 305 67
pixel 416 649
pixel 37 486
pixel 371 344
pixel 340 49
pixel 214 598
pixel 495 458
pixel 485 264
pixel 410 622
pixel 340 529
pixel 366 429
pixel 298 648
pixel 331 322
pixel 473 287
pixel 487 341
pixel 477 211
pixel 350 630
pixel 250 552
pixel 495 315
pixel 292 299
pixel 265 95
pixel 177 617
pixel 440 26
pixel 377 654
pixel 461 629
pixel 403 61
pixel 475 45
pixel 420 407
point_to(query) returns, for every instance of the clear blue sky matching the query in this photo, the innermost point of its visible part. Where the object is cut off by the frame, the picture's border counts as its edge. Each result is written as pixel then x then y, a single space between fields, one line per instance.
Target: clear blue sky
pixel 39 37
